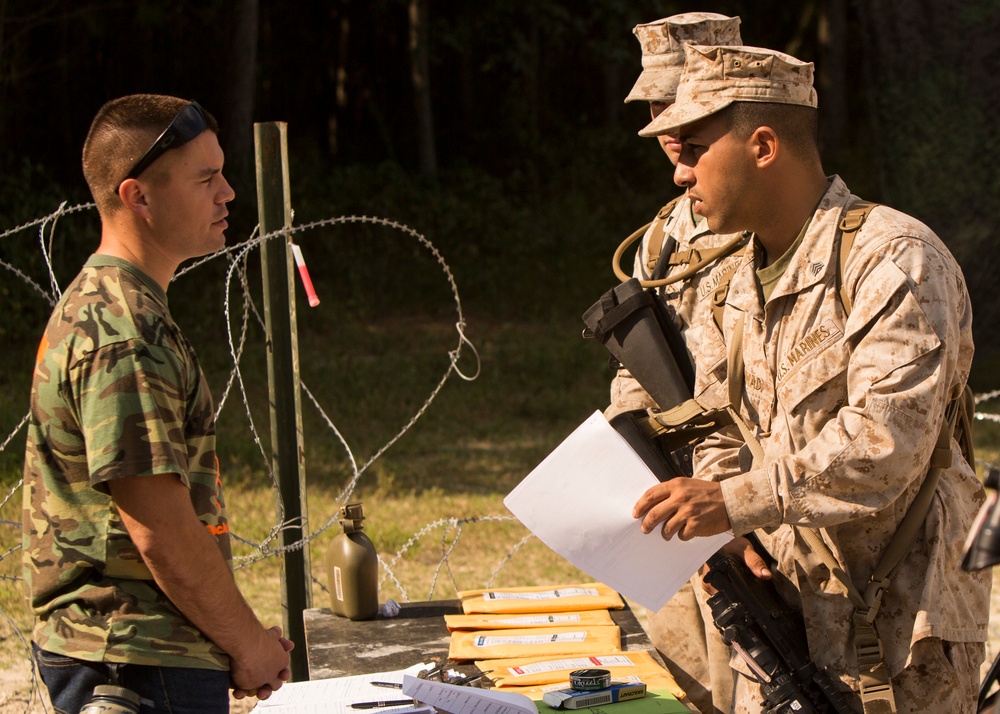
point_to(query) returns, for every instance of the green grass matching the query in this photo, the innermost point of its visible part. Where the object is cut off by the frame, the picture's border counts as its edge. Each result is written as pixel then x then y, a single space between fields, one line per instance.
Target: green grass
pixel 453 468
pixel 475 442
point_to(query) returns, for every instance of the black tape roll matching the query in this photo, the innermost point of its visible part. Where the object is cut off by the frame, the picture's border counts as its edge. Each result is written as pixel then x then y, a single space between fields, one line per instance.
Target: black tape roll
pixel 589 680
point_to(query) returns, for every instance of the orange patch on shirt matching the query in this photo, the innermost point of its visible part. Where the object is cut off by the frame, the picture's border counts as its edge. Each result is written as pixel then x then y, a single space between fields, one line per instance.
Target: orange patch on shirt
pixel 43 346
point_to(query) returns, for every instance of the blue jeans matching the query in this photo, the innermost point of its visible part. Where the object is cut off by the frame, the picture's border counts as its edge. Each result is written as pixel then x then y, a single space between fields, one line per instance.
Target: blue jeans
pixel 169 690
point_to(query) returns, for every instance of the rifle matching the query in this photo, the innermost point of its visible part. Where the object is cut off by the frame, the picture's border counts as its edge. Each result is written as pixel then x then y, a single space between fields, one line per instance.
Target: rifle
pixel 771 638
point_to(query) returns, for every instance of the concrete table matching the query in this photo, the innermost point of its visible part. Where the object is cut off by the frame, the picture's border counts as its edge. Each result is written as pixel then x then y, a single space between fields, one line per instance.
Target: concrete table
pixel 338 647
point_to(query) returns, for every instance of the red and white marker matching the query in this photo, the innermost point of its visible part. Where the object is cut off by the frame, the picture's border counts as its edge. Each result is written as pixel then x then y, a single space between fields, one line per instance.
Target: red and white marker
pixel 307 282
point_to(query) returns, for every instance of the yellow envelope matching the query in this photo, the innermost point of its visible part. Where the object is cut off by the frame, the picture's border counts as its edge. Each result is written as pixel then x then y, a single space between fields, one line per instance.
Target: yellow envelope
pixel 534 642
pixel 503 621
pixel 535 675
pixel 541 598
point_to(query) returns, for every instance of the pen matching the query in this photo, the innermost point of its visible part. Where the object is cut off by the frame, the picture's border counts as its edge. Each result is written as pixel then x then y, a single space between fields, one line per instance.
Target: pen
pixel 387 685
pixel 379 705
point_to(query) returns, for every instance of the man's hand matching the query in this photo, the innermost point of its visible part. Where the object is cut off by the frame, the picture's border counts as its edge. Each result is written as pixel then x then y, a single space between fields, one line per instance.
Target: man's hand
pixel 283 676
pixel 687 507
pixel 264 670
pixel 739 548
pixel 743 549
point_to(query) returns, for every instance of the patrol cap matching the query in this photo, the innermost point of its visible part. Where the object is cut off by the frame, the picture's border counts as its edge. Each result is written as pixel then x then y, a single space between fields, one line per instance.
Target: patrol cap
pixel 663 43
pixel 715 77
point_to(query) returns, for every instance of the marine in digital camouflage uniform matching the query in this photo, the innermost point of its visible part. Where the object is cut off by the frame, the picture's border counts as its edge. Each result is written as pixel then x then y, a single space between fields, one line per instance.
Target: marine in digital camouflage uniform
pixel 846 406
pixel 682 630
pixel 126 551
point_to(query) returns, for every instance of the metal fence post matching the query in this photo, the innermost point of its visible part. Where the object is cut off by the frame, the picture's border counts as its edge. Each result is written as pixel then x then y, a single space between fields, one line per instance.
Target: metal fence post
pixel 287 450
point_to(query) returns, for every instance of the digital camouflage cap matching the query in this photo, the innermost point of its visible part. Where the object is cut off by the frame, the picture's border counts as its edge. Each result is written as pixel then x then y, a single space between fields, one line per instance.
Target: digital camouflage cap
pixel 715 77
pixel 663 43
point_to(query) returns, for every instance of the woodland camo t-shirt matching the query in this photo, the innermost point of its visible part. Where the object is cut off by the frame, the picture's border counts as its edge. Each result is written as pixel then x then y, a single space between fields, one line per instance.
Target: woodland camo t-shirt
pixel 117 392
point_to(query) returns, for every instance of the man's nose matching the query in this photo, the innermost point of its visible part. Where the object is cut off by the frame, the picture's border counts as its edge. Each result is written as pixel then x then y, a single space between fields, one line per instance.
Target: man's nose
pixel 683 175
pixel 227 194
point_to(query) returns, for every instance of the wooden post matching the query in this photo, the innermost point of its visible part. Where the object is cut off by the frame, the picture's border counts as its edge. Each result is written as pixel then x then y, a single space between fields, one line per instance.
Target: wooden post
pixel 287 450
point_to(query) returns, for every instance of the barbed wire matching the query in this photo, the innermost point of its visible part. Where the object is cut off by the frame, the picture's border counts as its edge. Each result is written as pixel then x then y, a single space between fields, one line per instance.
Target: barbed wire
pixel 237 255
pixel 238 320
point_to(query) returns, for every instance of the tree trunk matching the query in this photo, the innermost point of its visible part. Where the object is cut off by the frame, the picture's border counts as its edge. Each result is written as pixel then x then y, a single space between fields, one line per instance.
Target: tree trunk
pixel 237 131
pixel 831 69
pixel 420 75
pixel 337 75
pixel 934 85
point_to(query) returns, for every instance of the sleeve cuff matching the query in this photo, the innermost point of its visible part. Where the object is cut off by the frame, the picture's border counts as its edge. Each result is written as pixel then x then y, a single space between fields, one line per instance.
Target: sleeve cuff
pixel 750 502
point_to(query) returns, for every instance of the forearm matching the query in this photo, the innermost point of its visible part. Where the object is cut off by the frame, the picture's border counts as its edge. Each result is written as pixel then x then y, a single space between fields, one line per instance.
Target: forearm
pixel 187 564
pixel 188 567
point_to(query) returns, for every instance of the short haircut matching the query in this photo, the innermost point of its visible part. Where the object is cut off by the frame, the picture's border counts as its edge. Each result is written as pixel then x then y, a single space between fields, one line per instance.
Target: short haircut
pixel 120 134
pixel 797 126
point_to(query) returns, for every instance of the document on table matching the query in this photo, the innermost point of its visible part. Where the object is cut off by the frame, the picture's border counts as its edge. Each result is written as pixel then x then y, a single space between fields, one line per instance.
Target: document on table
pixel 335 696
pixel 455 699
pixel 579 501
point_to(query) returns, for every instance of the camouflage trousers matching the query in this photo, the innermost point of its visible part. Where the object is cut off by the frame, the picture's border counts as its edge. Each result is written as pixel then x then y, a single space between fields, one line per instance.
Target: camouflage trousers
pixel 941 677
pixel 684 634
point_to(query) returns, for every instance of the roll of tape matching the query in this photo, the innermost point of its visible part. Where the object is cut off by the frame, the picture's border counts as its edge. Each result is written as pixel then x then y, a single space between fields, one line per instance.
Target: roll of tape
pixel 589 680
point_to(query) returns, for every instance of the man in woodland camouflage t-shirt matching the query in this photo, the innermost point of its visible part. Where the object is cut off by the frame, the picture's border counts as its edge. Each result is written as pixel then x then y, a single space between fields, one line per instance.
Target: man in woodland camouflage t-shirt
pixel 126 541
pixel 115 382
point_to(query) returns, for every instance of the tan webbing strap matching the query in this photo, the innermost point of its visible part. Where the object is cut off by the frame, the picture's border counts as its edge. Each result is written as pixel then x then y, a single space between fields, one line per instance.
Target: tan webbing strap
pixel 850 224
pixel 684 425
pixel 721 293
pixel 876 686
pixel 735 370
pixel 706 257
pixel 659 235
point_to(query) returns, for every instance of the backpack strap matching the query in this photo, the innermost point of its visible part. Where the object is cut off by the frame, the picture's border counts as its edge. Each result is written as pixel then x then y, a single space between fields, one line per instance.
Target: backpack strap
pixel 658 237
pixel 850 224
pixel 660 253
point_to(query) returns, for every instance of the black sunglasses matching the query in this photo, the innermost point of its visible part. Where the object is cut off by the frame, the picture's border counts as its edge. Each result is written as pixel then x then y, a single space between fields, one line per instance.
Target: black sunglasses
pixel 188 123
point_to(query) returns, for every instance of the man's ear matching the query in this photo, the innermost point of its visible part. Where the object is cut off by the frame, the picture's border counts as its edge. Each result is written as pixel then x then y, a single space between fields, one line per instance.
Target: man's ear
pixel 132 192
pixel 764 144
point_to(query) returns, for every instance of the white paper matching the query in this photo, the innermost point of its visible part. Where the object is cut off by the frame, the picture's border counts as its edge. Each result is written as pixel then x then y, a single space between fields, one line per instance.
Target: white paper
pixel 335 696
pixel 579 502
pixel 456 699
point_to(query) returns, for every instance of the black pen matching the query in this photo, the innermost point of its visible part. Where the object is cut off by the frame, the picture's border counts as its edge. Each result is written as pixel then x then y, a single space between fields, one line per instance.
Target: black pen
pixel 387 685
pixel 379 705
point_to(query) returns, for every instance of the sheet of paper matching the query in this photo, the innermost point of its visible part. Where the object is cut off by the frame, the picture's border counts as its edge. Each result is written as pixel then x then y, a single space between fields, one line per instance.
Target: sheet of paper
pixel 455 699
pixel 335 696
pixel 579 501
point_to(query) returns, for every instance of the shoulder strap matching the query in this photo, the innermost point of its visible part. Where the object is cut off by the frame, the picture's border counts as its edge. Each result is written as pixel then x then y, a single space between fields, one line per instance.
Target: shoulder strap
pixel 658 237
pixel 850 224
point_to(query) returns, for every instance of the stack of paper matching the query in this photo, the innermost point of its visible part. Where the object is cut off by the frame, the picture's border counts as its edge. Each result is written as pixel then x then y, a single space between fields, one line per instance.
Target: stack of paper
pixel 542 620
pixel 335 696
pixel 542 598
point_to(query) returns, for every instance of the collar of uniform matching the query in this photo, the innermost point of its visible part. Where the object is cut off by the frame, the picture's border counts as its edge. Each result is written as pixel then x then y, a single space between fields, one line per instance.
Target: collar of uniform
pixel 815 260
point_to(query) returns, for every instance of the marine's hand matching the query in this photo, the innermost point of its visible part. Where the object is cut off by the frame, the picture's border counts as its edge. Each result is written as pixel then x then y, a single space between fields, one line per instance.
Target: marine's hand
pixel 687 507
pixel 265 670
pixel 740 548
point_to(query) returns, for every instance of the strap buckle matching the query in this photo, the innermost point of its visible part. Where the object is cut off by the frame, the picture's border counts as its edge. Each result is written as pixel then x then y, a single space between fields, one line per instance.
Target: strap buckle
pixel 873 598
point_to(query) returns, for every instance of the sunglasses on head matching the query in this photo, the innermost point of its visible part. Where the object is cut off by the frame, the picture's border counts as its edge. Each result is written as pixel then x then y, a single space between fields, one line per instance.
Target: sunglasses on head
pixel 188 123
